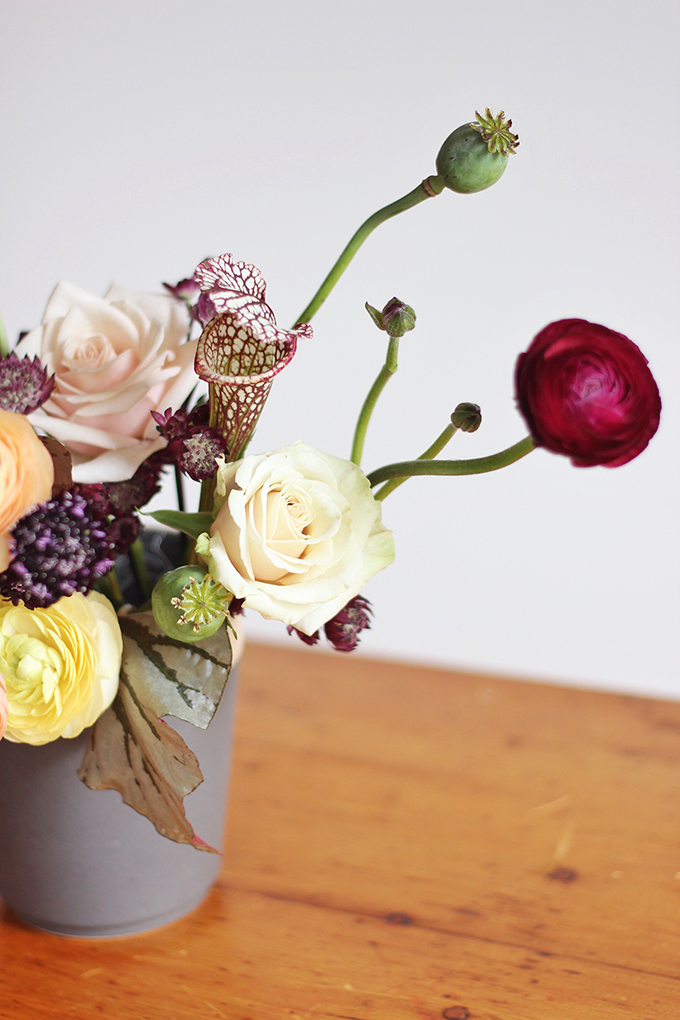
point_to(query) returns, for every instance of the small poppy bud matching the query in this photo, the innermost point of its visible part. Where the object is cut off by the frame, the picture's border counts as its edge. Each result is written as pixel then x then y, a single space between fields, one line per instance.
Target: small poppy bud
pixel 475 155
pixel 188 605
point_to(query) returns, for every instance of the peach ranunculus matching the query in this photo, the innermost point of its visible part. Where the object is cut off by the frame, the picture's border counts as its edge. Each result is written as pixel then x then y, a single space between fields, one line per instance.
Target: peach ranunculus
pixel 297 534
pixel 3 705
pixel 26 475
pixel 61 666
pixel 115 359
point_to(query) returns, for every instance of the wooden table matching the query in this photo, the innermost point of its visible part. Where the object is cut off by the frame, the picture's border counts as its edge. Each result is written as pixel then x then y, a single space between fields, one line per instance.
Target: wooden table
pixel 409 843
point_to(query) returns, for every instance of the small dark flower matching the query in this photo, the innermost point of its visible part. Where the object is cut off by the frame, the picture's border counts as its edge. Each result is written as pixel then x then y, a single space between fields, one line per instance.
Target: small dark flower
pixel 24 384
pixel 60 548
pixel 123 531
pixel 171 424
pixel 192 445
pixel 343 631
pixel 198 457
pixel 185 290
pixel 309 639
pixel 136 491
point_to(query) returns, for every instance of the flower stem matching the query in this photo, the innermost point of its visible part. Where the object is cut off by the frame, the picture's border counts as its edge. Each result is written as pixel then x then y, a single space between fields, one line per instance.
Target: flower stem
pixel 4 343
pixel 108 585
pixel 139 569
pixel 385 374
pixel 432 451
pixel 478 465
pixel 179 487
pixel 430 187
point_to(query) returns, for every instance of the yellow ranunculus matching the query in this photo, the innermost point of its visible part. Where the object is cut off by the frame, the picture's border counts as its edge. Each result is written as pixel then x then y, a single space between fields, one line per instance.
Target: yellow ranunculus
pixel 61 666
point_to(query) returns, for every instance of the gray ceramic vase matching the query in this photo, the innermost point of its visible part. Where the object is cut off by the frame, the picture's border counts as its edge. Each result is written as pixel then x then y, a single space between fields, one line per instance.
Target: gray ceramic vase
pixel 76 861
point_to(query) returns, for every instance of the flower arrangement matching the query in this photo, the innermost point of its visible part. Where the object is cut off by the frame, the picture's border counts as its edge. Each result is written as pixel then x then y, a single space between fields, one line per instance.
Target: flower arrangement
pixel 101 399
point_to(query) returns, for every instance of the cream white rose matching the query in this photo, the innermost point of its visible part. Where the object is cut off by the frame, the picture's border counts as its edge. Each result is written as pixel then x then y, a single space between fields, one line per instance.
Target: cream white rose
pixel 61 666
pixel 297 534
pixel 115 359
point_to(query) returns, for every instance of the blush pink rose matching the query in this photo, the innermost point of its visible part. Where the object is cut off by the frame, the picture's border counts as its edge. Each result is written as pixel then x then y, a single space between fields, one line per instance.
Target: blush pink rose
pixel 115 359
pixel 587 392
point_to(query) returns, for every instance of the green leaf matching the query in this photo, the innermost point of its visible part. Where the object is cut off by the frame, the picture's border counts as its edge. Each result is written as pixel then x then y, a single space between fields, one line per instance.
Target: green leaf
pixel 190 524
pixel 174 678
pixel 131 749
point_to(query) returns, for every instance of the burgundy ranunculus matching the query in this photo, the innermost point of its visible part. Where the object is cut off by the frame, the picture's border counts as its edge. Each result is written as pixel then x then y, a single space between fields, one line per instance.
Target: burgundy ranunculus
pixel 587 392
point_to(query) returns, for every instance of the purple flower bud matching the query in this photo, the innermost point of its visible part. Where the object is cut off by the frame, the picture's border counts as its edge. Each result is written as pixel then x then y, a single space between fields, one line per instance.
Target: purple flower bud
pixel 395 319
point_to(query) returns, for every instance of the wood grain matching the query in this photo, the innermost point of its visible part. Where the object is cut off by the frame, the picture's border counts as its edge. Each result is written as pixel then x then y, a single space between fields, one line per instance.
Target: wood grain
pixel 409 843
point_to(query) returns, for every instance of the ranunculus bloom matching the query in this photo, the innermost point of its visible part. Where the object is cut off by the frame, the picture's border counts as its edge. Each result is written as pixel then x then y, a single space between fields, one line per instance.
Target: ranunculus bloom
pixel 297 535
pixel 4 707
pixel 61 666
pixel 115 359
pixel 587 392
pixel 26 475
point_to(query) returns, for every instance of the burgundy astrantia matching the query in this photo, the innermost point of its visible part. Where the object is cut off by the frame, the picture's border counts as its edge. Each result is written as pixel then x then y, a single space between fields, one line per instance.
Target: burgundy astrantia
pixel 587 392
pixel 192 445
pixel 343 630
pixel 60 548
pixel 116 503
pixel 241 349
pixel 24 384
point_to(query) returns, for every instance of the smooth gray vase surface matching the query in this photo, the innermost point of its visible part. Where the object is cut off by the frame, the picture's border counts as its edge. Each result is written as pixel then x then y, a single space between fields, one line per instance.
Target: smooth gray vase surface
pixel 76 861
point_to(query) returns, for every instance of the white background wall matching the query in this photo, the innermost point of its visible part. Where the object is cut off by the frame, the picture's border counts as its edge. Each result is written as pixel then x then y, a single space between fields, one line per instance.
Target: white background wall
pixel 139 137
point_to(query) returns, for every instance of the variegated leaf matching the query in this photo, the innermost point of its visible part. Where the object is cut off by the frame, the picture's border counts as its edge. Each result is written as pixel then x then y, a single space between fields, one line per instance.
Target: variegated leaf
pixel 131 749
pixel 173 678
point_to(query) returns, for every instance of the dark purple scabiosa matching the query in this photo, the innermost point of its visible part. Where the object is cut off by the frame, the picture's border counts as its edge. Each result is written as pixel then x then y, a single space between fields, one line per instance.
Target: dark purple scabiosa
pixel 60 548
pixel 343 631
pixel 192 445
pixel 24 384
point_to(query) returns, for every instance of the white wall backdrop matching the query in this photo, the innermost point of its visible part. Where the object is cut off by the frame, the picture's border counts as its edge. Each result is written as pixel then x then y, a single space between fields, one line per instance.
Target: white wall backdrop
pixel 140 137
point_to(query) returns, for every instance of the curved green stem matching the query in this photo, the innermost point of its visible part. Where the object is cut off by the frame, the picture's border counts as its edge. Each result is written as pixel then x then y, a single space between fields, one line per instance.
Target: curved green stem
pixel 385 374
pixel 432 451
pixel 430 187
pixel 408 468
